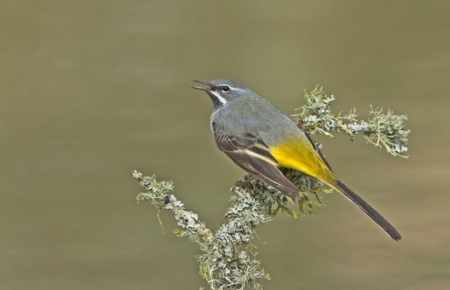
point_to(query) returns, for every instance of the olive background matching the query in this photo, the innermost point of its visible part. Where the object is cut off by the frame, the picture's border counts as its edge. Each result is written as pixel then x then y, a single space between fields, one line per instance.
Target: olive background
pixel 91 90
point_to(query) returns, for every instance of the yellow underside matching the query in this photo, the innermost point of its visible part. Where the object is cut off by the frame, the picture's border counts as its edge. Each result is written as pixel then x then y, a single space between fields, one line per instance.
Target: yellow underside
pixel 301 156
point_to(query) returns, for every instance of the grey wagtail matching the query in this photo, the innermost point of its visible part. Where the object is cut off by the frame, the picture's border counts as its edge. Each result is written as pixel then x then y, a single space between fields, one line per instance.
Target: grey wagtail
pixel 259 137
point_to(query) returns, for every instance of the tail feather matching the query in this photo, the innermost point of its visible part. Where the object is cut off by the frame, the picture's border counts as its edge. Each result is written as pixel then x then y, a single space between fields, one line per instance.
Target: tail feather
pixel 367 209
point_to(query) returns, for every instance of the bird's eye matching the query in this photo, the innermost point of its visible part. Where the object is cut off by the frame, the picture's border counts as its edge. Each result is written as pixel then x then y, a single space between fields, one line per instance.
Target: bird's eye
pixel 225 88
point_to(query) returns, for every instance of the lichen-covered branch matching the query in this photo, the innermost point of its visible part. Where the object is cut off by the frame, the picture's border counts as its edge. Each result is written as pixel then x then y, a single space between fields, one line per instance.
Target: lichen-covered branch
pixel 382 130
pixel 158 195
pixel 229 259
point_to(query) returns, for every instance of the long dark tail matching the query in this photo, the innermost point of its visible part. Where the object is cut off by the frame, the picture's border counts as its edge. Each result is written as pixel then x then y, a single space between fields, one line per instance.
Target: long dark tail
pixel 367 209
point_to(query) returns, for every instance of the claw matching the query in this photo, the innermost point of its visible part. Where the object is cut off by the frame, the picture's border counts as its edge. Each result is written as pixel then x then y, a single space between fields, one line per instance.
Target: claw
pixel 244 183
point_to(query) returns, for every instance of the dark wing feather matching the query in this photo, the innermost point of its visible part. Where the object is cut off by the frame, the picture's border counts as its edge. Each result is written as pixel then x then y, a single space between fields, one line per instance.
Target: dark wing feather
pixel 251 154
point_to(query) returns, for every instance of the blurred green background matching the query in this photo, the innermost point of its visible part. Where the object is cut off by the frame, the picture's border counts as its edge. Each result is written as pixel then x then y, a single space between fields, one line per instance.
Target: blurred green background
pixel 91 90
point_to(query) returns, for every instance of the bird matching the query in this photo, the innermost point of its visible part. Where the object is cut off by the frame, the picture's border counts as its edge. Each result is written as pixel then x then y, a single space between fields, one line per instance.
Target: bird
pixel 258 137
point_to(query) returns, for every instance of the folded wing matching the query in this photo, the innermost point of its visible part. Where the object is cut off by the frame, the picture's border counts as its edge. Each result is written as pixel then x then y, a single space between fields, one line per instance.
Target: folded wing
pixel 251 154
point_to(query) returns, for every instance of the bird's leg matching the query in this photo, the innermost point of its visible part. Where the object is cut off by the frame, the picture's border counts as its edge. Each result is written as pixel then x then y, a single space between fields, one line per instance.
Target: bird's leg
pixel 244 183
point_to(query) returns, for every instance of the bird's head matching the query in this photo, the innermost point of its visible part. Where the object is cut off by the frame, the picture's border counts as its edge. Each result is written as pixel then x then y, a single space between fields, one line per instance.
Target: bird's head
pixel 223 91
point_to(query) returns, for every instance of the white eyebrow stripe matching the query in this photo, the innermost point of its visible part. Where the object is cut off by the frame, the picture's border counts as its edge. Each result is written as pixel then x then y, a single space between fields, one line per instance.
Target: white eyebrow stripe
pixel 237 89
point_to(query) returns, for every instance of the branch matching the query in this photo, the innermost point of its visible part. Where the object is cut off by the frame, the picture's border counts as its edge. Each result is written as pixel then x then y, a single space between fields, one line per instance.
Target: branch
pixel 381 130
pixel 228 260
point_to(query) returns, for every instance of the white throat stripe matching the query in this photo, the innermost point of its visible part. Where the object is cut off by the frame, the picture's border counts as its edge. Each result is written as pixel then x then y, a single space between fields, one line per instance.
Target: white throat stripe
pixel 220 98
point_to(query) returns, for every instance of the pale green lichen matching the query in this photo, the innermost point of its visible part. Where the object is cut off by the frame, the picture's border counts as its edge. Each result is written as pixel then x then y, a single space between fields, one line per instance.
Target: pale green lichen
pixel 382 130
pixel 228 261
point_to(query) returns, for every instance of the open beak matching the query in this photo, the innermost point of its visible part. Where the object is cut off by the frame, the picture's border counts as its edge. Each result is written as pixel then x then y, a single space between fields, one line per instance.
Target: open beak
pixel 208 89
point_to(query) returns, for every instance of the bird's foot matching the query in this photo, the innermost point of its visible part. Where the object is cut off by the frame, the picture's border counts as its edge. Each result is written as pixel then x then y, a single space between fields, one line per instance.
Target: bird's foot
pixel 244 183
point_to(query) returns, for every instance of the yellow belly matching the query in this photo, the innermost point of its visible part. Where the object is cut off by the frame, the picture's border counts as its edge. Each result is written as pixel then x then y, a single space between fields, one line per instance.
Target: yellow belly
pixel 300 155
